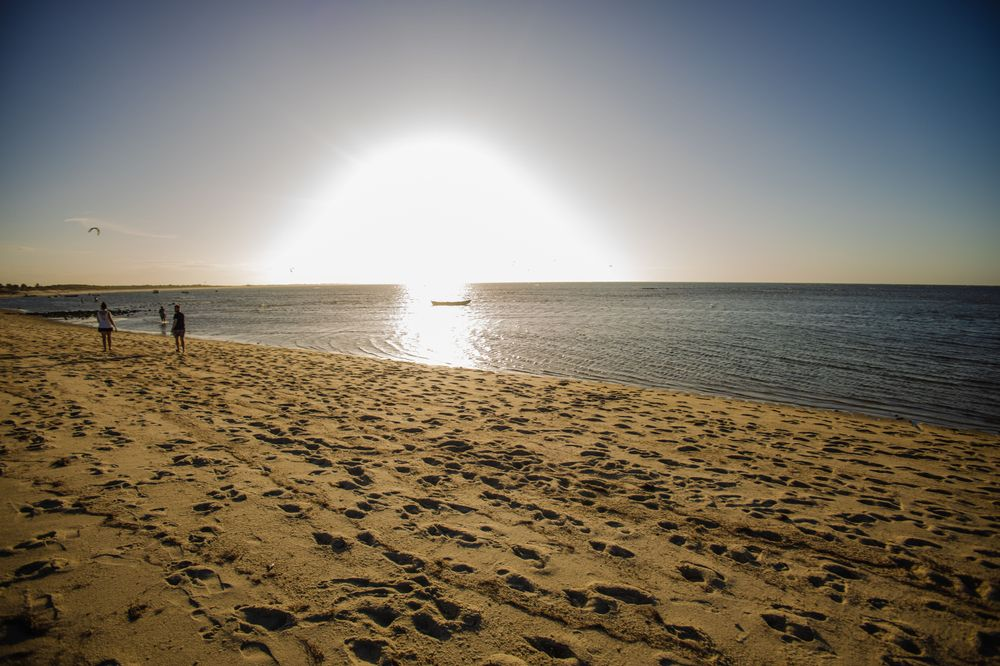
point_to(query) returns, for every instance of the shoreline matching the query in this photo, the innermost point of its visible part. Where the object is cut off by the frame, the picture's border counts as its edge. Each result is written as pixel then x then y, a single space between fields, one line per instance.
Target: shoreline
pixel 916 421
pixel 252 502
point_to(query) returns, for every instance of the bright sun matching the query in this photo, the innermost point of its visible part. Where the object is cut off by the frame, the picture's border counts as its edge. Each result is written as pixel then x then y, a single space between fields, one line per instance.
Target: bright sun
pixel 441 208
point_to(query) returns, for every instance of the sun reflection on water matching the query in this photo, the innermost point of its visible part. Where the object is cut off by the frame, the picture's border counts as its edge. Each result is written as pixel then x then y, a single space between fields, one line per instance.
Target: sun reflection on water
pixel 439 334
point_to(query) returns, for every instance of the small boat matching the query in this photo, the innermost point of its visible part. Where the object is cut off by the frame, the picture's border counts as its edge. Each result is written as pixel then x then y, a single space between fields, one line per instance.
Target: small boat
pixel 156 291
pixel 465 302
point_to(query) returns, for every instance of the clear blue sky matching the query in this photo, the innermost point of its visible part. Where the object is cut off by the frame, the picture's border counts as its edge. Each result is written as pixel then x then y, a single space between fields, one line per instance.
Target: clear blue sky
pixel 236 142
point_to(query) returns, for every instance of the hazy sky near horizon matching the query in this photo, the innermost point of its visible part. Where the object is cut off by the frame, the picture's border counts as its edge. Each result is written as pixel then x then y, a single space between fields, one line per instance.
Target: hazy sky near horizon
pixel 249 142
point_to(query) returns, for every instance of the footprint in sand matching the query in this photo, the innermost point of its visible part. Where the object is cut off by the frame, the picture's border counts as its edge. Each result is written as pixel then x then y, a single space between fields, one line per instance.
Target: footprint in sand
pixel 206 507
pixel 203 535
pixel 187 572
pixel 834 580
pixel 988 643
pixel 271 619
pixel 517 581
pixel 612 549
pixel 603 598
pixel 427 625
pixel 337 544
pixel 51 505
pixel 741 555
pixel 792 631
pixel 625 594
pixel 595 604
pixel 291 508
pixel 254 652
pixel 409 563
pixel 382 615
pixel 553 648
pixel 38 541
pixel 530 554
pixel 228 492
pixel 38 569
pixel 895 633
pixel 461 537
pixel 696 573
pixel 365 651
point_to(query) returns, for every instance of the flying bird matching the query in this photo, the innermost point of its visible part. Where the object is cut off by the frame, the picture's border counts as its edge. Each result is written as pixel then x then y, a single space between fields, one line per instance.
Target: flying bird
pixel 94 229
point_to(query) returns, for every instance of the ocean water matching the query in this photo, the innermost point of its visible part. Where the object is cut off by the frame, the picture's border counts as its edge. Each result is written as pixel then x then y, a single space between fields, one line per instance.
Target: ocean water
pixel 925 353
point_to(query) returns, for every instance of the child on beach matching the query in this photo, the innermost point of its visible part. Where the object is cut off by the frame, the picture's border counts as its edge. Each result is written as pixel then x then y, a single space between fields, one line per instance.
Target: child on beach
pixel 105 324
pixel 178 328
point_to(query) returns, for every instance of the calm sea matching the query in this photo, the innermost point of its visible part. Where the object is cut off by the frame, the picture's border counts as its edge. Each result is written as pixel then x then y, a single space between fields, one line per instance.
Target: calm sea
pixel 925 353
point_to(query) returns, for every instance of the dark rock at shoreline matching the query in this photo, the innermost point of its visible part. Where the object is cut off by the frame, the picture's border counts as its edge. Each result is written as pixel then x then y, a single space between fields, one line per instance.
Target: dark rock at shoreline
pixel 81 314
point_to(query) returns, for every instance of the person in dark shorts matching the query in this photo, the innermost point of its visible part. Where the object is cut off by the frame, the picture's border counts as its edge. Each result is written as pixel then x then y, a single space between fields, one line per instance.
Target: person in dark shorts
pixel 178 328
pixel 105 324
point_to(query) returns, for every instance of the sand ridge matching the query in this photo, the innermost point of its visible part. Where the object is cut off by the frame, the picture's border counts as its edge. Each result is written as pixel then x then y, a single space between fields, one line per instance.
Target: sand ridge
pixel 250 504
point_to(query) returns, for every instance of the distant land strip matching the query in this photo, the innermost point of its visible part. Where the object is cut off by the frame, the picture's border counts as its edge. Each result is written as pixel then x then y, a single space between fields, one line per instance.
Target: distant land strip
pixel 11 289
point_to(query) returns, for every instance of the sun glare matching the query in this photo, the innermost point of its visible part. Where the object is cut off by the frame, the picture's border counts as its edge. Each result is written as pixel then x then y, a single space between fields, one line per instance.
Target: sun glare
pixel 440 209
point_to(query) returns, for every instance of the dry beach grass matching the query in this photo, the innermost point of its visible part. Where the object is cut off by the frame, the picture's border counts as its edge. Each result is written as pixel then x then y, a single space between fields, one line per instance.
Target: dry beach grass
pixel 252 504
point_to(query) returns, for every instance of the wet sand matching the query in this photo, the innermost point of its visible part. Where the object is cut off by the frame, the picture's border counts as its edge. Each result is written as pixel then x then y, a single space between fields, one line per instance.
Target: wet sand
pixel 246 504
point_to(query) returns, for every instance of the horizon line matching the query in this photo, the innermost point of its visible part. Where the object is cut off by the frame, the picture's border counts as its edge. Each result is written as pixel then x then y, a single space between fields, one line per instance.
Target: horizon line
pixel 82 286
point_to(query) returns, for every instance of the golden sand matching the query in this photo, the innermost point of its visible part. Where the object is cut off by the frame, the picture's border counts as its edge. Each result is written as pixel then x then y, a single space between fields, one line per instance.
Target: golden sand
pixel 250 504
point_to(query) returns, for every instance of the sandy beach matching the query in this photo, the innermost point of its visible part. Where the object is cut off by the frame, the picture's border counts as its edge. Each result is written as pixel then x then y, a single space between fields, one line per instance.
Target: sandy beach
pixel 246 504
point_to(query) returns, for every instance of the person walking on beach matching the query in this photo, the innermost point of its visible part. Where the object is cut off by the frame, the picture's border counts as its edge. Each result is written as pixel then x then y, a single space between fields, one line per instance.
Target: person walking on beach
pixel 163 315
pixel 105 324
pixel 178 328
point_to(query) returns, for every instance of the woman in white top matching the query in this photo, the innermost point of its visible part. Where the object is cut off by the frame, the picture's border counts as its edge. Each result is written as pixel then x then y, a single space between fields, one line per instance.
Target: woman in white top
pixel 105 324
